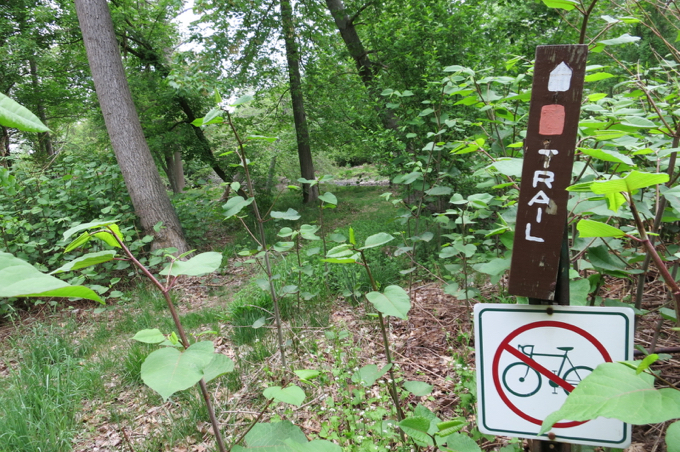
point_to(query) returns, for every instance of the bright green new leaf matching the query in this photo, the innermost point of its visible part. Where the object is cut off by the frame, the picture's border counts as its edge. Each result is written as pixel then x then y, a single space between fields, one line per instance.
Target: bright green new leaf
pixel 562 4
pixel 235 205
pixel 292 395
pixel 261 138
pixel 289 214
pixel 394 301
pixel 596 77
pixel 590 228
pixel 645 363
pixel 636 180
pixel 623 39
pixel 169 370
pixel 219 365
pixel 86 261
pixel 458 442
pixel 417 427
pixel 418 388
pixel 449 427
pixel 85 226
pixel 199 265
pixel 673 437
pixel 18 278
pixel 614 390
pixel 329 198
pixel 369 374
pixel 152 336
pixel 107 237
pixel 12 114
pixel 378 239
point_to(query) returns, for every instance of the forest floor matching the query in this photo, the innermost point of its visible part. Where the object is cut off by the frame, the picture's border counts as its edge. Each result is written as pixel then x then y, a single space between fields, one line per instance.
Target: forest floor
pixel 435 345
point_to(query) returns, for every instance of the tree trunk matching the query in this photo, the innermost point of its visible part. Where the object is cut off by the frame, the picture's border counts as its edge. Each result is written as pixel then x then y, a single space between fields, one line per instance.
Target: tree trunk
pixel 150 200
pixel 175 171
pixel 309 193
pixel 365 66
pixel 4 147
pixel 44 138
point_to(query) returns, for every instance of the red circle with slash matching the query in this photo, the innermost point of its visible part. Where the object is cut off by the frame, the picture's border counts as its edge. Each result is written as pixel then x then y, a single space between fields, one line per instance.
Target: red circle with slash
pixel 505 347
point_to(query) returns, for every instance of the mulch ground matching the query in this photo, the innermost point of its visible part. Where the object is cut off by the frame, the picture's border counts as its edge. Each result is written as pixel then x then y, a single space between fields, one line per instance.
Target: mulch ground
pixel 435 345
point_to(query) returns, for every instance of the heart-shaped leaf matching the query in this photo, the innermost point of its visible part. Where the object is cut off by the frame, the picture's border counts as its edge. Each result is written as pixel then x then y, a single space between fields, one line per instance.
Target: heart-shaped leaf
pixel 199 265
pixel 289 214
pixel 169 370
pixel 369 374
pixel 151 336
pixel 418 388
pixel 378 239
pixel 235 205
pixel 219 365
pixel 293 395
pixel 394 301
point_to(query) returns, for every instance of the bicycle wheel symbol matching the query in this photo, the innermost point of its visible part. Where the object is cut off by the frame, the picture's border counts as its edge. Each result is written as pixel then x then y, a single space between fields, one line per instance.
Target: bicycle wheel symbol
pixel 521 380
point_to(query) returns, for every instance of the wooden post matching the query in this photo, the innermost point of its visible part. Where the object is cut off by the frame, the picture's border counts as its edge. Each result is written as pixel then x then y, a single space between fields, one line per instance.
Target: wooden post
pixel 541 270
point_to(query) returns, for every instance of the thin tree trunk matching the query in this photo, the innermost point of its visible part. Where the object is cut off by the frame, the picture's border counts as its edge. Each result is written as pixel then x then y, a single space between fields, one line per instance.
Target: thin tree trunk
pixel 365 67
pixel 44 138
pixel 151 202
pixel 309 193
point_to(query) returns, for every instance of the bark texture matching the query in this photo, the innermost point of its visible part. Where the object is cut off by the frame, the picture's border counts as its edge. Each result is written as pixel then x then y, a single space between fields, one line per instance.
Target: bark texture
pixel 367 70
pixel 309 193
pixel 150 200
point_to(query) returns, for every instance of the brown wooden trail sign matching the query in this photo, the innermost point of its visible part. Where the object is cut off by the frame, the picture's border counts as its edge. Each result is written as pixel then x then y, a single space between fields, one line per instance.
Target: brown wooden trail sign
pixel 546 173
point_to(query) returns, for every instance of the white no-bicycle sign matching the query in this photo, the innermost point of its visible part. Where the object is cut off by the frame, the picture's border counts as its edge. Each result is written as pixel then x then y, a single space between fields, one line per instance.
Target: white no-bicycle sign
pixel 528 361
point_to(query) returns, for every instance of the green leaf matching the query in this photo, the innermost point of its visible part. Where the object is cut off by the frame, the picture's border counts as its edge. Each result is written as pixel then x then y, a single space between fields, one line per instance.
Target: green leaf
pixel 394 301
pixel 369 374
pixel 235 205
pixel 219 365
pixel 86 261
pixel 259 323
pixel 578 292
pixel 508 166
pixel 601 258
pixel 597 77
pixel 376 240
pixel 449 427
pixel 638 122
pixel 168 370
pixel 290 214
pixel 282 437
pixel 18 278
pixel 292 395
pixel 262 138
pixel 623 39
pixel 645 363
pixel 308 232
pixel 418 388
pixel 85 226
pixel 416 427
pixel 458 442
pixel 668 314
pixel 199 265
pixel 329 198
pixel 636 180
pixel 614 390
pixel 307 374
pixel 590 228
pixel 242 100
pixel 153 336
pixel 12 114
pixel 562 4
pixel 439 190
pixel 673 437
pixel 608 156
pixel 494 267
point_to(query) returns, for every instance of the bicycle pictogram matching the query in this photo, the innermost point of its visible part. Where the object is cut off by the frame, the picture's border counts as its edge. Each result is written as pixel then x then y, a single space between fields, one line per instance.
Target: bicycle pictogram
pixel 524 381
